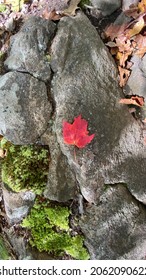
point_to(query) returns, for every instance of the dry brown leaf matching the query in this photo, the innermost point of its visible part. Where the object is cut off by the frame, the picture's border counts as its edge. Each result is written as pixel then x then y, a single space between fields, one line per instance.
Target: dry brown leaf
pixel 51 15
pixel 123 44
pixel 129 64
pixel 111 44
pixel 124 75
pixel 140 45
pixel 113 31
pixel 142 6
pixel 122 58
pixel 71 10
pixel 134 100
pixel 138 26
pixel 114 51
pixel 125 49
pixel 133 11
pixel 3 153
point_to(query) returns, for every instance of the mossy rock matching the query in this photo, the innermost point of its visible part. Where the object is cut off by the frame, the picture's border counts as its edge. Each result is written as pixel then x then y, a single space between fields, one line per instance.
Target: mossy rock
pixel 25 167
pixel 50 231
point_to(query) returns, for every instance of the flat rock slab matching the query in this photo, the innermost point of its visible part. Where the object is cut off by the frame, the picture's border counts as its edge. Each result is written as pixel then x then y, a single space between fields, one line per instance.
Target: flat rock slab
pixel 115 229
pixel 24 108
pixel 86 82
pixel 29 46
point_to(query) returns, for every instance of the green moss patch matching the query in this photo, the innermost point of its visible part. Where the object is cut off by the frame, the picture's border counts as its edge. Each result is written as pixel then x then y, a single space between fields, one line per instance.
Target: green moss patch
pixel 25 167
pixel 4 253
pixel 50 231
pixel 2 8
pixel 83 3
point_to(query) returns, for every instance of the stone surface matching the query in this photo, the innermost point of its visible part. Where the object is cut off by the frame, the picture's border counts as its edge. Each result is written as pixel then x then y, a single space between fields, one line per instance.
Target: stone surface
pixel 137 81
pixel 142 67
pixel 19 245
pixel 107 7
pixel 21 248
pixel 61 184
pixel 85 82
pixel 56 5
pixel 17 205
pixel 28 48
pixel 136 84
pixel 24 108
pixel 115 229
pixel 126 4
pixel 122 19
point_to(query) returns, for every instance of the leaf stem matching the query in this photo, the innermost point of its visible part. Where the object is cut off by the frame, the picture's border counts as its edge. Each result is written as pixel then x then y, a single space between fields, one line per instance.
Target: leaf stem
pixel 75 156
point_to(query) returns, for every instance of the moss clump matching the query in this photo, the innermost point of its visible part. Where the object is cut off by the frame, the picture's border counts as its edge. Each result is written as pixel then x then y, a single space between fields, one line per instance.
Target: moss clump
pixel 2 8
pixel 4 253
pixel 25 167
pixel 50 232
pixel 83 3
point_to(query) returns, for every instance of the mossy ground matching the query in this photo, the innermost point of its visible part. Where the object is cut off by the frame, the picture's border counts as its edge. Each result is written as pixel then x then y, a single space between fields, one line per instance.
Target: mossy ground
pixel 50 231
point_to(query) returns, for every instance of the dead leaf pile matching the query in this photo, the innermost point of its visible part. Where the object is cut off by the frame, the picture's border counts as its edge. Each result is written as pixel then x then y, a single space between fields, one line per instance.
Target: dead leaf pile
pixel 124 41
pixel 128 39
pixel 56 13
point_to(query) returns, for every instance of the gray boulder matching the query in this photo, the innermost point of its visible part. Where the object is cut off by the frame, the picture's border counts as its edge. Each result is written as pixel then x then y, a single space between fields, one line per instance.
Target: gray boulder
pixel 61 183
pixel 106 7
pixel 86 82
pixel 17 205
pixel 24 108
pixel 115 229
pixel 28 48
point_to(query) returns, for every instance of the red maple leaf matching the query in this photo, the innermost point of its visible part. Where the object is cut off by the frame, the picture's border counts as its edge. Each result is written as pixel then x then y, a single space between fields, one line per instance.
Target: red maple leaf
pixel 77 133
